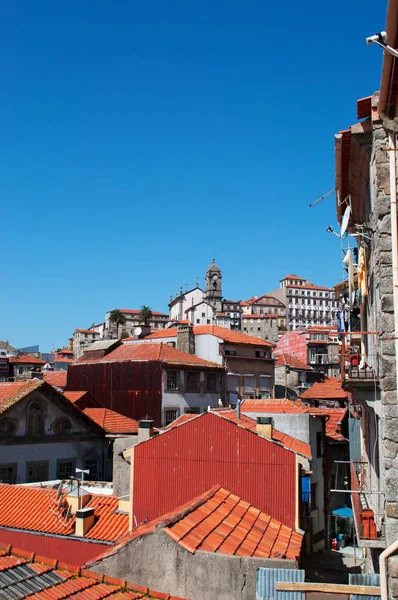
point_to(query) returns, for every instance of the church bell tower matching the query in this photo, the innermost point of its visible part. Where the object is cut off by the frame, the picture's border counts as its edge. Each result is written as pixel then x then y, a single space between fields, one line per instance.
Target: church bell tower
pixel 213 286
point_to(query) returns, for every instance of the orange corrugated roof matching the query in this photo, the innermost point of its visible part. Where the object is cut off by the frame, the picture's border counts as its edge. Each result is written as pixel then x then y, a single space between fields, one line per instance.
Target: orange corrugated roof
pixel 218 521
pixel 57 378
pixel 163 333
pixel 35 509
pixel 157 351
pixel 111 421
pixel 330 389
pixel 287 360
pixel 334 416
pixel 287 441
pixel 47 579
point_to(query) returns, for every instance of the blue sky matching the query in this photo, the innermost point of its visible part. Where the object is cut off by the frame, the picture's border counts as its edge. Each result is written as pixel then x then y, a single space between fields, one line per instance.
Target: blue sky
pixel 140 138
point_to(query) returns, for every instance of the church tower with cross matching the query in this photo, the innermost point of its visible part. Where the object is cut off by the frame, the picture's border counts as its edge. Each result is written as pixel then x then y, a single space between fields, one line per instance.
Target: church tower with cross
pixel 213 294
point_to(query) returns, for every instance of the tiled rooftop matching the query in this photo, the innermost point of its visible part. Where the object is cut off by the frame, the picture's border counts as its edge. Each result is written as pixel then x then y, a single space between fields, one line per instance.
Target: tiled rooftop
pixel 36 509
pixel 334 416
pixel 235 337
pixel 24 575
pixel 330 389
pixel 87 331
pixel 74 396
pixel 27 359
pixel 111 421
pixel 57 378
pixel 157 351
pixel 11 393
pixel 218 521
pixel 130 311
pixel 287 360
pixel 285 440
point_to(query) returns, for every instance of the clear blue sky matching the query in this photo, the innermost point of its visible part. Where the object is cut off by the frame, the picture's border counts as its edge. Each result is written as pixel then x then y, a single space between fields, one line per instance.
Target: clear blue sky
pixel 139 138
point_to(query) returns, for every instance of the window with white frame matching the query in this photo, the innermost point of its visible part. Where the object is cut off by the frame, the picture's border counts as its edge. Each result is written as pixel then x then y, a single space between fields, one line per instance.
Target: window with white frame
pixel 170 415
pixel 172 380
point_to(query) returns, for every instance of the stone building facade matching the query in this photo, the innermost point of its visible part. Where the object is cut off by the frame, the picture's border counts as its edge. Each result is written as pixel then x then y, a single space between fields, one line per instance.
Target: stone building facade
pixel 366 181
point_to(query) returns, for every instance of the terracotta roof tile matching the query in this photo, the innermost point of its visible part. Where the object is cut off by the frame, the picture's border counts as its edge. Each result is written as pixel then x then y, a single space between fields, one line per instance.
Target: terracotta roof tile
pixel 285 440
pixel 56 378
pixel 157 351
pixel 287 360
pixel 334 416
pixel 35 509
pixel 218 521
pixel 111 421
pixel 228 335
pixel 74 396
pixel 57 582
pixel 27 359
pixel 11 393
pixel 135 311
pixel 87 331
pixel 330 389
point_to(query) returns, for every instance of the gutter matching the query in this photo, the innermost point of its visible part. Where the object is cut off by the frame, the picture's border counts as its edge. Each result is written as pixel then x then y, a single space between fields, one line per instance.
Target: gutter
pixel 388 60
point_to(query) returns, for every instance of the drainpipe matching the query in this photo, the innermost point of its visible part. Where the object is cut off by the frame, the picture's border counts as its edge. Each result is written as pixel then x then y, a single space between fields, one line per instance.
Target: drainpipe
pixel 394 239
pixel 383 568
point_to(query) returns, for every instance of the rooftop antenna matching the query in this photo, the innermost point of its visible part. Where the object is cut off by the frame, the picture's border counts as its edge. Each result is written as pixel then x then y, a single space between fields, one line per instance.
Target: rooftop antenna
pixel 322 197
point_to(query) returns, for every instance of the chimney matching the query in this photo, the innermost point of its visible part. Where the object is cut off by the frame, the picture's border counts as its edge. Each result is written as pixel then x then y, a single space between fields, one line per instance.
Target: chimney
pixel 141 332
pixel 77 499
pixel 186 339
pixel 238 403
pixel 145 430
pixel 264 426
pixel 84 521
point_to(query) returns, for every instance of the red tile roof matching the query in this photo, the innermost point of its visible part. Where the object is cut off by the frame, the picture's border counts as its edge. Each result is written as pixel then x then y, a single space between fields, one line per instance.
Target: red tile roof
pixel 87 331
pixel 57 378
pixel 218 521
pixel 27 572
pixel 285 440
pixel 157 351
pixel 111 421
pixel 64 351
pixel 292 277
pixel 74 396
pixel 330 389
pixel 287 360
pixel 310 287
pixel 27 359
pixel 64 360
pixel 11 393
pixel 35 509
pixel 223 333
pixel 334 416
pixel 228 335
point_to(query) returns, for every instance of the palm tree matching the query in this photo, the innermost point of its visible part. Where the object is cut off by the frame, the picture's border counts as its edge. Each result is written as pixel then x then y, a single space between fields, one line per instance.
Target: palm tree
pixel 145 314
pixel 117 317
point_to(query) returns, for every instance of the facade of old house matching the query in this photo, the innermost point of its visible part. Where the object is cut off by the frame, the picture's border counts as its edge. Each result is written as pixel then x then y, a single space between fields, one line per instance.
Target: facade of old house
pixel 293 377
pixel 316 346
pixel 266 305
pixel 366 182
pixel 264 327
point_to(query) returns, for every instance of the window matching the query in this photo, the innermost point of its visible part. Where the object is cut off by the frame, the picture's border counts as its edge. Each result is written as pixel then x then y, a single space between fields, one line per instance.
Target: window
pixel 259 353
pixel 319 444
pixel 208 321
pixel 20 370
pixel 37 471
pixel 8 427
pixel 192 383
pixel 248 383
pixel 172 380
pixel 66 468
pixel 197 321
pixel 230 352
pixel 35 425
pixel 170 415
pixel 211 382
pixel 265 385
pixel 203 314
pixel 62 425
pixel 8 473
pixel 232 382
pixel 91 464
pixel 192 410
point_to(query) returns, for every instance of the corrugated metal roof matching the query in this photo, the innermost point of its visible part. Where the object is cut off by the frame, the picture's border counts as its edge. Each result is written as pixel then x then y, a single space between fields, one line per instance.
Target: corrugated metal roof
pixel 101 345
pixel 267 578
pixel 363 579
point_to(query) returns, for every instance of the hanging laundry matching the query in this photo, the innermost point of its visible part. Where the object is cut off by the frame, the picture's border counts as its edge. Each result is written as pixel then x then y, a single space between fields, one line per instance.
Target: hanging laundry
pixel 362 272
pixel 350 264
pixel 340 323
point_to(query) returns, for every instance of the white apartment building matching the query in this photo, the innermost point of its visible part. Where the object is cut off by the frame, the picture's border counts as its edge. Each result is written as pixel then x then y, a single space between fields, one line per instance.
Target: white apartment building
pixel 306 304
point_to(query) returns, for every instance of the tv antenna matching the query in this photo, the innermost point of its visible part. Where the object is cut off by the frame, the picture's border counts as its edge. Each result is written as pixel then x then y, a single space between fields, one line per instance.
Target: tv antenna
pixel 322 197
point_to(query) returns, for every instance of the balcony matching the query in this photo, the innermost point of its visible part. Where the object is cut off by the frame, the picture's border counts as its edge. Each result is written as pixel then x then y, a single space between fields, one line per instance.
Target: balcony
pixel 364 517
pixel 358 367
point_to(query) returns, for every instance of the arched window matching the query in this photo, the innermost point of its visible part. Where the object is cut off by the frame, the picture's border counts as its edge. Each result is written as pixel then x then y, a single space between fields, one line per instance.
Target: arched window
pixel 62 425
pixel 7 427
pixel 35 420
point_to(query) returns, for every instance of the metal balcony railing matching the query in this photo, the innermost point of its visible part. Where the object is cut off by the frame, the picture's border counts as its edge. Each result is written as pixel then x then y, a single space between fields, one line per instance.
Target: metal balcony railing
pixel 357 364
pixel 364 516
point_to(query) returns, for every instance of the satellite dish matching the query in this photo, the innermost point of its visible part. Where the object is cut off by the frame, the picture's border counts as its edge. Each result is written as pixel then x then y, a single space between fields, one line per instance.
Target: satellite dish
pixel 138 331
pixel 346 218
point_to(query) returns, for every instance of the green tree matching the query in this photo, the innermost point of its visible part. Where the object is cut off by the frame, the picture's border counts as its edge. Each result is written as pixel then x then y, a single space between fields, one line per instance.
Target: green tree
pixel 145 314
pixel 118 318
